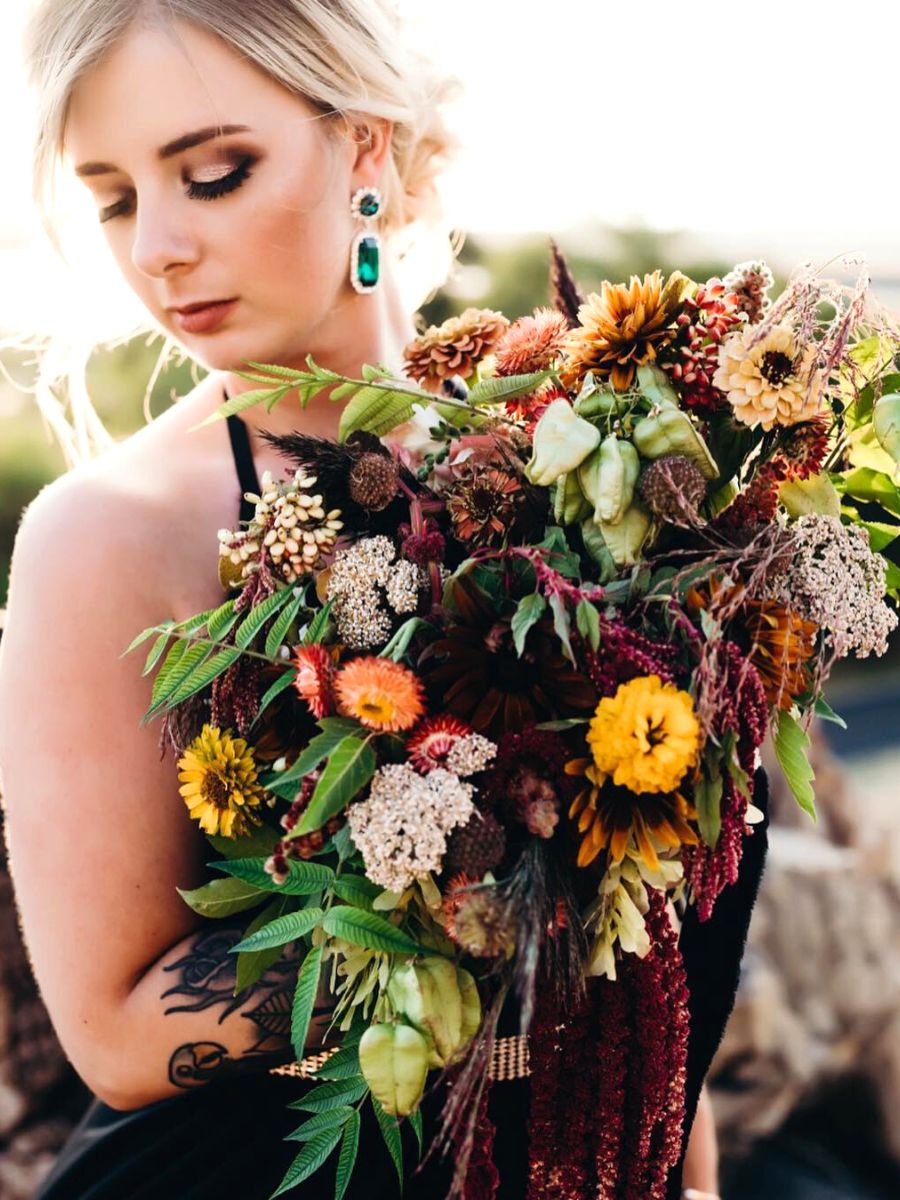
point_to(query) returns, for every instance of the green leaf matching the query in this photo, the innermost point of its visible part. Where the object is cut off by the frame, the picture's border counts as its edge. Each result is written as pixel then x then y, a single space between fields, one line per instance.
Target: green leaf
pixel 201 676
pixel 876 487
pixel 363 928
pixel 310 1158
pixel 278 631
pixel 350 767
pixel 251 966
pixel 237 404
pixel 259 842
pixel 390 1131
pixel 880 534
pixel 282 930
pixel 168 671
pixel 356 890
pixel 318 625
pixel 281 684
pixel 144 634
pixel 222 620
pixel 331 1095
pixel 496 389
pixel 708 801
pixel 528 612
pixel 415 1119
pixel 305 998
pixel 333 1118
pixel 562 624
pixel 379 408
pixel 347 1156
pixel 304 878
pixel 334 730
pixel 588 620
pixel 259 614
pixel 825 712
pixel 791 747
pixel 222 897
pixel 399 643
pixel 344 1063
pixel 156 651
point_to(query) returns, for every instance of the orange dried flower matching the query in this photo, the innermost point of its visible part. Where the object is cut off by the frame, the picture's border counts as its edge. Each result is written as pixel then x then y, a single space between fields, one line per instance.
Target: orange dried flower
pixel 531 343
pixel 454 348
pixel 380 693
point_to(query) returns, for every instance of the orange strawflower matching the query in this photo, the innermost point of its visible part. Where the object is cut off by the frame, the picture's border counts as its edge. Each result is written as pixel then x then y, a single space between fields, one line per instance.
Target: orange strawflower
pixel 531 343
pixel 380 693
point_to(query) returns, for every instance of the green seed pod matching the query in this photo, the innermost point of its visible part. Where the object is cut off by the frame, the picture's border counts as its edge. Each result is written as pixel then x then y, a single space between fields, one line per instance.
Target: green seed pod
pixel 561 441
pixel 608 476
pixel 655 385
pixel 626 538
pixel 471 1006
pixel 427 995
pixel 886 424
pixel 671 431
pixel 599 402
pixel 394 1063
pixel 569 502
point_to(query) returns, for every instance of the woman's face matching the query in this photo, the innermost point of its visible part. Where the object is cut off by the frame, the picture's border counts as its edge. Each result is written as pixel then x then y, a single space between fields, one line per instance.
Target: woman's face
pixel 261 215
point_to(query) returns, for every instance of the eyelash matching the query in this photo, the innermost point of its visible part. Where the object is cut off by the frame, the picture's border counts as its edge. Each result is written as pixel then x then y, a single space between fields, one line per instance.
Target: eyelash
pixel 196 191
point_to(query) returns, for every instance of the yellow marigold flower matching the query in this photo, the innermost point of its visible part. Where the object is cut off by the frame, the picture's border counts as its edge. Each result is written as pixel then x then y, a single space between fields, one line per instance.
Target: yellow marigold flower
pixel 647 736
pixel 380 693
pixel 219 785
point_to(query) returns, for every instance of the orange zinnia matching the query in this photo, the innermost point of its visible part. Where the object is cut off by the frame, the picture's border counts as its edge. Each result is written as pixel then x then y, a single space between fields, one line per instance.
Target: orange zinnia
pixel 380 693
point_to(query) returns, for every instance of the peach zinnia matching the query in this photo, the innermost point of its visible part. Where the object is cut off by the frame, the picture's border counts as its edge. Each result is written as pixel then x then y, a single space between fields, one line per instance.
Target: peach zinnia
pixel 380 693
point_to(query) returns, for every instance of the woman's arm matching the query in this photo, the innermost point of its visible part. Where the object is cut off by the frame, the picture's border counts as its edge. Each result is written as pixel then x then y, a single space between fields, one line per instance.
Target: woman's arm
pixel 137 985
pixel 701 1160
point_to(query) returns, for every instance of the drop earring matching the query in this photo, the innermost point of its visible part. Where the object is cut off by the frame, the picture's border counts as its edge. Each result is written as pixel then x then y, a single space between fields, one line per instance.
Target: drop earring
pixel 365 254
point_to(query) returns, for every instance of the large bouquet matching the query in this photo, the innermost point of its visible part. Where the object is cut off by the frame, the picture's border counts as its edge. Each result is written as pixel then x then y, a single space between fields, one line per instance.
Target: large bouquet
pixel 489 689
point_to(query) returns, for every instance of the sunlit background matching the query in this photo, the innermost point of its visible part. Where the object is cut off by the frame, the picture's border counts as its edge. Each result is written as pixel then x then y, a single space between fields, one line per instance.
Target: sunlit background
pixel 639 136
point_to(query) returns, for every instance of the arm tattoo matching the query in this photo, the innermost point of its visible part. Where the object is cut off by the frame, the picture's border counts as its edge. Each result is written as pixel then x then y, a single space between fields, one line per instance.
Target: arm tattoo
pixel 205 977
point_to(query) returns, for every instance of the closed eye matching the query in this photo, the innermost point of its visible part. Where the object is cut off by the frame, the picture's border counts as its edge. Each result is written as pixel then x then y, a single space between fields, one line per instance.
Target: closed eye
pixel 196 190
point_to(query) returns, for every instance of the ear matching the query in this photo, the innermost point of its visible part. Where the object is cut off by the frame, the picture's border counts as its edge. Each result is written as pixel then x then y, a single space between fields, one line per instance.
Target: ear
pixel 373 145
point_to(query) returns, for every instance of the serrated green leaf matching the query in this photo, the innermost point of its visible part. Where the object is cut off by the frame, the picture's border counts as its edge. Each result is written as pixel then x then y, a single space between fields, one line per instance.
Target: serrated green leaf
pixel 333 1118
pixel 202 675
pixel 528 612
pixel 259 614
pixel 236 404
pixel 281 684
pixel 825 712
pixel 378 408
pixel 367 929
pixel 334 731
pixel 258 843
pixel 342 1065
pixel 333 1094
pixel 282 930
pixel 304 878
pixel 166 672
pixel 288 373
pixel 156 651
pixel 347 1156
pixel 276 635
pixel 499 388
pixel 308 1161
pixel 221 620
pixel 588 620
pixel 305 997
pixel 791 748
pixel 250 967
pixel 143 635
pixel 390 1131
pixel 356 890
pixel 222 897
pixel 415 1120
pixel 318 625
pixel 349 768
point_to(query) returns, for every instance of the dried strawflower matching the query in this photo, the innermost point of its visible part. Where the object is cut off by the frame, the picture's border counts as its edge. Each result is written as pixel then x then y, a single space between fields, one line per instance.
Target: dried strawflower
pixel 770 381
pixel 621 327
pixel 314 680
pixel 483 503
pixel 380 693
pixel 454 348
pixel 531 343
pixel 432 739
pixel 401 827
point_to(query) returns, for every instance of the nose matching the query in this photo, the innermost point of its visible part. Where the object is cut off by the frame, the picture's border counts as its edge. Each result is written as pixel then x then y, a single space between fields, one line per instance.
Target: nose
pixel 163 240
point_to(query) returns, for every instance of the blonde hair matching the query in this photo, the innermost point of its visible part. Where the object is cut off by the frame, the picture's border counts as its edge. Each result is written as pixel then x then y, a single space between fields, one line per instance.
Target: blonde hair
pixel 347 58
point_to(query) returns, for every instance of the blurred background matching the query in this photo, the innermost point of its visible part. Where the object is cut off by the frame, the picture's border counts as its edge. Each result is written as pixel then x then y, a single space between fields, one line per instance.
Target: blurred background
pixel 639 137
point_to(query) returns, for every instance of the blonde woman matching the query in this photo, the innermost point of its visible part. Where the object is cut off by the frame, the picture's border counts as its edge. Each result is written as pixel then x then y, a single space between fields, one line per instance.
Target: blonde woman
pixel 222 143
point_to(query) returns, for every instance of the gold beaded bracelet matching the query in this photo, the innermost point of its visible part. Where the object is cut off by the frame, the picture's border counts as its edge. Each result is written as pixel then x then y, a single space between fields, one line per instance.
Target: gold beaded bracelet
pixel 509 1060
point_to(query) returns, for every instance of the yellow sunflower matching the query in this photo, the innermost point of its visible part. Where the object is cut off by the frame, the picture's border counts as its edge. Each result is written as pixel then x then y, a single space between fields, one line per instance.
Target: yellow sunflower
pixel 219 785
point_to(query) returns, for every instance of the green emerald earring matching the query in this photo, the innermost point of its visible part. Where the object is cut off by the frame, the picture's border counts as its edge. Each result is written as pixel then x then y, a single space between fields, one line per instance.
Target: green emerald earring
pixel 365 254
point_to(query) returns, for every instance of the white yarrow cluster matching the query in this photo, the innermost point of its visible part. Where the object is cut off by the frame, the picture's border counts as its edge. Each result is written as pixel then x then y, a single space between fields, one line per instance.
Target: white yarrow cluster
pixel 361 576
pixel 401 827
pixel 838 581
pixel 470 754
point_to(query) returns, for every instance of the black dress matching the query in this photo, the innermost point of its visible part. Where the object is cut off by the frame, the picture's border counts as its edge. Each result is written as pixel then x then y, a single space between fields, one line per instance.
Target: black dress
pixel 224 1140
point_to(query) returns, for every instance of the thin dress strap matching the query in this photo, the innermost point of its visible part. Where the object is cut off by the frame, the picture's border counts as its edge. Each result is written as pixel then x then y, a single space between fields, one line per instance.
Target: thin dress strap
pixel 243 461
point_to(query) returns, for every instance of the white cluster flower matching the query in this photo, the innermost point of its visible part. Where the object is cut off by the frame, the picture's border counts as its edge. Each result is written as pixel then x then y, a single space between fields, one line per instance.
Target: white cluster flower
pixel 360 576
pixel 470 754
pixel 838 581
pixel 401 827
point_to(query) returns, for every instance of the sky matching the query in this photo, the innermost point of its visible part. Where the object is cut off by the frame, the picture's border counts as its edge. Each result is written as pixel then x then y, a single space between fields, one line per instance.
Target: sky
pixel 770 120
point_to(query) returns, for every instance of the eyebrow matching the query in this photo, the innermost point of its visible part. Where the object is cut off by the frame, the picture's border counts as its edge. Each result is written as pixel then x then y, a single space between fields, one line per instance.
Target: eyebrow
pixel 185 142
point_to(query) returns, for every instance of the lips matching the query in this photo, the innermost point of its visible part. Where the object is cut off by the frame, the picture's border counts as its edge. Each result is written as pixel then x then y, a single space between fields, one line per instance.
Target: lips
pixel 205 317
pixel 189 308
